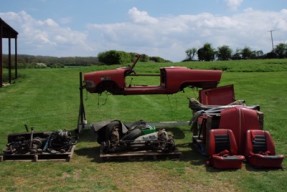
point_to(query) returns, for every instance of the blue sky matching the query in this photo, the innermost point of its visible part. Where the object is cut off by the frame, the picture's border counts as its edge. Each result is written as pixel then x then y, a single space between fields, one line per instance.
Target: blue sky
pixel 164 28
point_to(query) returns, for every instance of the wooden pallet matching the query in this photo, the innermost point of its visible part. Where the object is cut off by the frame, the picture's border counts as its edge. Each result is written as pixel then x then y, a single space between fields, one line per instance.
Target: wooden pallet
pixel 39 157
pixel 139 155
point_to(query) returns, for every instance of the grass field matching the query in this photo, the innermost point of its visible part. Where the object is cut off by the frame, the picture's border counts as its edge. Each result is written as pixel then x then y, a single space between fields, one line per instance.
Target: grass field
pixel 48 99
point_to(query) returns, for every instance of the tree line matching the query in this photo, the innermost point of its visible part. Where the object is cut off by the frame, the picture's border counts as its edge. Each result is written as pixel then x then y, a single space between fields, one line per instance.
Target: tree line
pixel 205 53
pixel 208 53
pixel 106 58
pixel 31 61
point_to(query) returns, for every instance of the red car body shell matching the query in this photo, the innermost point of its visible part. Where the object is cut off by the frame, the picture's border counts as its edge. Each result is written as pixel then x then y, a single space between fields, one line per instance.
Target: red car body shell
pixel 172 80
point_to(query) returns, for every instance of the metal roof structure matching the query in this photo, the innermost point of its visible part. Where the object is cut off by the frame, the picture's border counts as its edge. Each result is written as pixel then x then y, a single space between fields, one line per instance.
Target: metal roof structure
pixel 7 32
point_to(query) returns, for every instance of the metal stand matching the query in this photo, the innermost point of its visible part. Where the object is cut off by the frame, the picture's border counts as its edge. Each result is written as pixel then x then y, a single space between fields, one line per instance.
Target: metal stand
pixel 82 121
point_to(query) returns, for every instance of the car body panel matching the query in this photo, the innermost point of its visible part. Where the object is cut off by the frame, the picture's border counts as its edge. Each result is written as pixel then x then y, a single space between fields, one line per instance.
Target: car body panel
pixel 172 80
pixel 223 95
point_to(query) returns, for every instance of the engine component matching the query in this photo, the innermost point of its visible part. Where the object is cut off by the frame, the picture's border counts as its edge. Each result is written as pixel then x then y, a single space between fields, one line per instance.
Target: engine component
pixel 39 142
pixel 117 137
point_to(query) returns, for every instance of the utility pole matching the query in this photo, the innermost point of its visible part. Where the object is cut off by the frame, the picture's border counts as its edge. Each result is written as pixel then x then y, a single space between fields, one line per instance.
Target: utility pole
pixel 271 33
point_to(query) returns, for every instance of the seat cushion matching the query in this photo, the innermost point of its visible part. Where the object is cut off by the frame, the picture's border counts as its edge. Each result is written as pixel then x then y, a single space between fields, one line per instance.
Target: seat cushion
pixel 266 161
pixel 227 162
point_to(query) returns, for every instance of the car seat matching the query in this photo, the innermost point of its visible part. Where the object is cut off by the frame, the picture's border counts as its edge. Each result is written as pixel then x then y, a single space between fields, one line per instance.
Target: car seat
pixel 223 150
pixel 260 150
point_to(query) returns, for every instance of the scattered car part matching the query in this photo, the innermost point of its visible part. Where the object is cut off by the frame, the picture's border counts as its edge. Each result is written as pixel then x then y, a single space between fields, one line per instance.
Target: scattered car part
pixel 216 115
pixel 39 145
pixel 138 139
pixel 238 118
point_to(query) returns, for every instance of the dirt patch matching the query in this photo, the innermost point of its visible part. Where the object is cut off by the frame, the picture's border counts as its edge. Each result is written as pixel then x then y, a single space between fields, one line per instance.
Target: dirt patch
pixel 143 177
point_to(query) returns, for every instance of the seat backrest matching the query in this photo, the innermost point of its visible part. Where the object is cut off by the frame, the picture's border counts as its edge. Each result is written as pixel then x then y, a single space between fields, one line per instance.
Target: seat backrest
pixel 259 141
pixel 220 140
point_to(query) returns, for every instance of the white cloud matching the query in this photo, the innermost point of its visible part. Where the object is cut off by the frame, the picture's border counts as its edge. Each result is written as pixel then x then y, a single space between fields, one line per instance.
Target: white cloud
pixel 233 4
pixel 45 37
pixel 167 37
pixel 49 23
pixel 141 17
pixel 65 20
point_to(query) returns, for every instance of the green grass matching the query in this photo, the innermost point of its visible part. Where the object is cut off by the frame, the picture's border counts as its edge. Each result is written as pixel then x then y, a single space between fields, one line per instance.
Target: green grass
pixel 48 99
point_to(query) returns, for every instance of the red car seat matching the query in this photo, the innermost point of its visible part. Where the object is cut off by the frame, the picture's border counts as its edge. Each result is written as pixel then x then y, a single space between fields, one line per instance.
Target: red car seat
pixel 239 119
pixel 260 150
pixel 223 150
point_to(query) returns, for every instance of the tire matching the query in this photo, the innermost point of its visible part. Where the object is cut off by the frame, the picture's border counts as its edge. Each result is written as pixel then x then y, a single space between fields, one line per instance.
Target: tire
pixel 132 135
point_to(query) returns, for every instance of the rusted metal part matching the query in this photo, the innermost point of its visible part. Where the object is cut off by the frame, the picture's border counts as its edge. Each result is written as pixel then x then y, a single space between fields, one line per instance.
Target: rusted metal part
pixel 139 139
pixel 36 146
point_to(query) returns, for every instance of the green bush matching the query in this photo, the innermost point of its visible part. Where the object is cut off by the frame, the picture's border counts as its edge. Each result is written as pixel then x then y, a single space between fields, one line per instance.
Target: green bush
pixel 157 59
pixel 114 57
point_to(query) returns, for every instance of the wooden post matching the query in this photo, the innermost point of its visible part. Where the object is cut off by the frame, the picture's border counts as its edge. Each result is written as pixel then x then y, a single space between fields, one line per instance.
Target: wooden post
pixel 9 61
pixel 16 59
pixel 1 56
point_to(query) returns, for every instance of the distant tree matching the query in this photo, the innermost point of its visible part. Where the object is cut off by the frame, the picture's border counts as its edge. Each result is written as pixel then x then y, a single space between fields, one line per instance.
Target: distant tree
pixel 144 58
pixel 271 55
pixel 281 50
pixel 206 53
pixel 224 52
pixel 259 53
pixel 237 55
pixel 246 53
pixel 190 54
pixel 256 54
